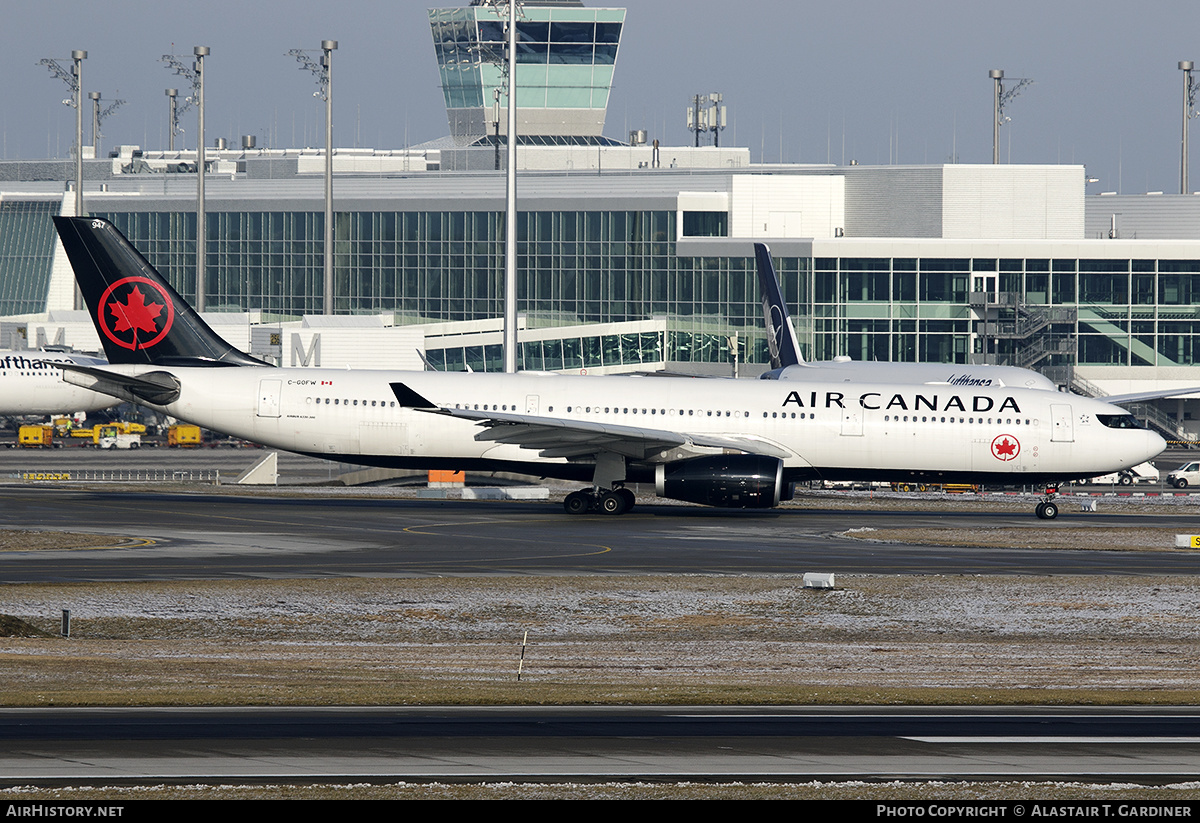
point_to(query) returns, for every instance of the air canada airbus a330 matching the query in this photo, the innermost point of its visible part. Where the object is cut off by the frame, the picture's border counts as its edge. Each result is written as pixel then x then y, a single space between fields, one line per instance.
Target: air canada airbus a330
pixel 731 443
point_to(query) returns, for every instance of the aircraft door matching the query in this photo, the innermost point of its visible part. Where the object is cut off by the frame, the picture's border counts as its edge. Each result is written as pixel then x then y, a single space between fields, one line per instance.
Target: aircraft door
pixel 852 422
pixel 532 402
pixel 1063 430
pixel 269 392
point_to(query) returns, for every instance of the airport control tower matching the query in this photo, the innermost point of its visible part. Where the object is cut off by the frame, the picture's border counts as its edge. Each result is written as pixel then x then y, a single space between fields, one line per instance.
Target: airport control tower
pixel 565 59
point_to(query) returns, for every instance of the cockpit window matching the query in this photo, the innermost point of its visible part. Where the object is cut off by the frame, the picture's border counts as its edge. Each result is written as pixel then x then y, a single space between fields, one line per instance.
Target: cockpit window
pixel 1119 421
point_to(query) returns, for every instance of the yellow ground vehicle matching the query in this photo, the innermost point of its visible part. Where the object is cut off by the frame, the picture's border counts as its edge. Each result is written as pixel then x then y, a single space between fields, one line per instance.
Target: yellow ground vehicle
pixel 36 437
pixel 102 430
pixel 949 488
pixel 183 436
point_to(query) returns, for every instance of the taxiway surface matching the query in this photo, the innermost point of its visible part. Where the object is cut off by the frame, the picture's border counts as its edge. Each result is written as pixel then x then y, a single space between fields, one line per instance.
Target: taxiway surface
pixel 172 536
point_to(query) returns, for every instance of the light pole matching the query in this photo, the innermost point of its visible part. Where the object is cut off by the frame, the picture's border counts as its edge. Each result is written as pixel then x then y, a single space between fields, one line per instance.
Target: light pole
pixel 1189 103
pixel 510 184
pixel 997 76
pixel 510 202
pixel 201 230
pixel 77 58
pixel 176 110
pixel 74 81
pixel 324 74
pixel 94 96
pixel 1000 99
pixel 327 47
pixel 98 117
pixel 172 117
pixel 496 123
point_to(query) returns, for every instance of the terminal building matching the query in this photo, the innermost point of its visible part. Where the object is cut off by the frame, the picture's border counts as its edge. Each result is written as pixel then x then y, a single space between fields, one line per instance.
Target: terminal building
pixel 632 255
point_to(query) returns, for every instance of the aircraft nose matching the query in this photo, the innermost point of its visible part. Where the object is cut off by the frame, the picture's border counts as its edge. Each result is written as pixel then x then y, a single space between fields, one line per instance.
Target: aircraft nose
pixel 1155 444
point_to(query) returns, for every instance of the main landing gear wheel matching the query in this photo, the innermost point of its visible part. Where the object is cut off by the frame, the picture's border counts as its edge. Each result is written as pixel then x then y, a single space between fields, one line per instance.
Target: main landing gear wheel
pixel 577 502
pixel 629 497
pixel 613 502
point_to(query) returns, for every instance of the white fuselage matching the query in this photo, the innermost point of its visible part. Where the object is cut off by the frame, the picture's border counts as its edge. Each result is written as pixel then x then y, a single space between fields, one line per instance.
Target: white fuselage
pixel 31 383
pixel 956 376
pixel 827 430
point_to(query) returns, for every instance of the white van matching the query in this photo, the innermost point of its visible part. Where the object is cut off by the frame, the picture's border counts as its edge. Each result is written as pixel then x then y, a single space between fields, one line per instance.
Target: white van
pixel 1186 475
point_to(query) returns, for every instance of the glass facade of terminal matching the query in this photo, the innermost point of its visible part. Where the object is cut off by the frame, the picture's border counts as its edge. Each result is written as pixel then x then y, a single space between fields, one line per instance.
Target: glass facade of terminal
pixel 891 309
pixel 425 266
pixel 1112 312
pixel 26 253
pixel 596 267
pixel 568 353
pixel 618 266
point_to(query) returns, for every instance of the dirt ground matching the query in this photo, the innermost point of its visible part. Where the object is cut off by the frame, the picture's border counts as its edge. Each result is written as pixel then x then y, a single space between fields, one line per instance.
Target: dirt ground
pixel 707 639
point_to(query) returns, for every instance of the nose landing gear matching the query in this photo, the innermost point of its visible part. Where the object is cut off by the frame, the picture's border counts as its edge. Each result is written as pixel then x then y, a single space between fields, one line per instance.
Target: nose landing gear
pixel 1047 509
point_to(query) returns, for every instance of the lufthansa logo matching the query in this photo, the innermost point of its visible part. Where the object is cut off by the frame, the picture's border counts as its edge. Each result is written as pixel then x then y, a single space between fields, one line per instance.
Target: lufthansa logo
pixel 135 313
pixel 777 327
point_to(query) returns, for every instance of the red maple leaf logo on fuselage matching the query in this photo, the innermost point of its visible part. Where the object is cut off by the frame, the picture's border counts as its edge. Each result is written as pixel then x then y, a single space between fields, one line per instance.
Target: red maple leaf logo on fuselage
pixel 1005 447
pixel 136 314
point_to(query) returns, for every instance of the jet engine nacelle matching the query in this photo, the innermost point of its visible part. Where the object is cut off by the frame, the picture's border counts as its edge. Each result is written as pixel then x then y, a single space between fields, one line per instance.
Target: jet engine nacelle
pixel 734 481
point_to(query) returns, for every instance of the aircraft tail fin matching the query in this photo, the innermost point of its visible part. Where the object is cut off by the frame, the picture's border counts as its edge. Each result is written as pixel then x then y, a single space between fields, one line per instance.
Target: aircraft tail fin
pixel 140 318
pixel 781 337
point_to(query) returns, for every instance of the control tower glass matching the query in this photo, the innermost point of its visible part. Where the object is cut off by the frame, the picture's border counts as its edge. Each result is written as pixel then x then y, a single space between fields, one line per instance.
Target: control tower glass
pixel 565 59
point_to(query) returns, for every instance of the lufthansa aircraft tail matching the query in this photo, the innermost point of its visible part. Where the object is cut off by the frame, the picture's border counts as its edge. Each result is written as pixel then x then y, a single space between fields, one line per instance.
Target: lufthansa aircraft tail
pixel 781 337
pixel 141 319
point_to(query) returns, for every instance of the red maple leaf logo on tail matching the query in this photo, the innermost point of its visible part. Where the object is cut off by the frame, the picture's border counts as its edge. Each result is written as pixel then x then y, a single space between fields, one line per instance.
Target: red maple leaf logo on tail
pixel 128 319
pixel 136 314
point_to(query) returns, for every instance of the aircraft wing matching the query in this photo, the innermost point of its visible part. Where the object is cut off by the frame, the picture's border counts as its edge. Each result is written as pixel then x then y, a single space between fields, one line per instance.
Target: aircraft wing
pixel 1137 397
pixel 555 437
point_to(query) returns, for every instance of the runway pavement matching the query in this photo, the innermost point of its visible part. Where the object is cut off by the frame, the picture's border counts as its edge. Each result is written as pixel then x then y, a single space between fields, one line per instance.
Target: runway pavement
pixel 1156 745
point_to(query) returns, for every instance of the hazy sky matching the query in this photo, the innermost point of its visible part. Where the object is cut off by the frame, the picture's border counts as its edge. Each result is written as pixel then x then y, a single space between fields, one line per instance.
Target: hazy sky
pixel 863 80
